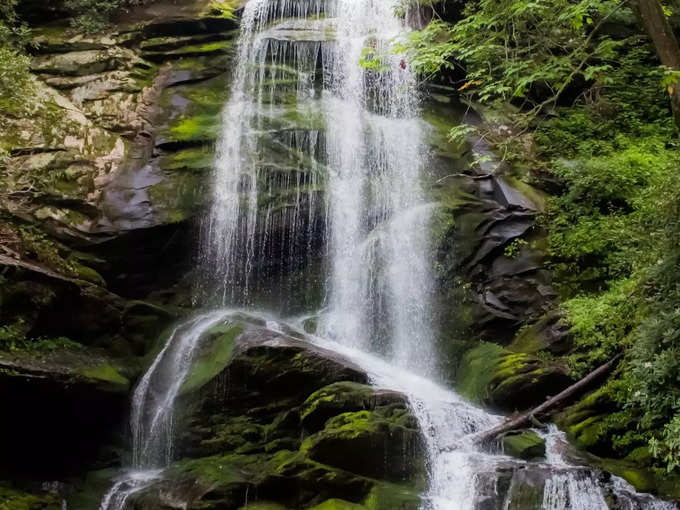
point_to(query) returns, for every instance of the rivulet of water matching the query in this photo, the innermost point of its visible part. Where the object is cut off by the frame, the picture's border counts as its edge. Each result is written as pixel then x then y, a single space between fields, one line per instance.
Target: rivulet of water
pixel 153 405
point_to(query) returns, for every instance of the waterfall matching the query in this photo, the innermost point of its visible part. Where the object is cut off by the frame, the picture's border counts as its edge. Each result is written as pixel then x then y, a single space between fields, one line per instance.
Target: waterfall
pixel 153 405
pixel 321 159
pixel 379 289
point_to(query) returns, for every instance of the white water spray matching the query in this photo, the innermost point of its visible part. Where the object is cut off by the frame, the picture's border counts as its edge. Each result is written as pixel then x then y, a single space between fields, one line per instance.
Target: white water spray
pixel 153 406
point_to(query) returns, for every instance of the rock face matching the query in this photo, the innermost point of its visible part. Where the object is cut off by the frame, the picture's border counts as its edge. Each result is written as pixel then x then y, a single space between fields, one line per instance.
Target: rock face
pixel 62 406
pixel 289 424
pixel 117 149
pixel 490 251
pixel 492 275
pixel 97 198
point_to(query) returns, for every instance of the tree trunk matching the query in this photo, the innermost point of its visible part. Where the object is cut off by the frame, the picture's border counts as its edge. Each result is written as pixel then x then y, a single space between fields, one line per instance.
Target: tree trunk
pixel 550 405
pixel 666 44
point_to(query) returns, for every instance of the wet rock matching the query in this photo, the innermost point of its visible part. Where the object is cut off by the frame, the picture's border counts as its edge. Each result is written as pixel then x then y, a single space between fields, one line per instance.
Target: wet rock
pixel 65 404
pixel 508 381
pixel 526 445
pixel 386 442
pixel 274 417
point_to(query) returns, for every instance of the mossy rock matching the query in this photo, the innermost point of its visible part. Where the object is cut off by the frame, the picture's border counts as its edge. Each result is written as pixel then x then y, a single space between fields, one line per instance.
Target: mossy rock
pixel 388 432
pixel 193 113
pixel 526 445
pixel 343 397
pixel 65 366
pixel 548 334
pixel 15 499
pixel 337 504
pixel 217 346
pixel 492 375
pixel 178 197
pixel 193 159
pixel 251 388
pixel 587 425
pixel 205 48
pixel 388 496
pixel 263 505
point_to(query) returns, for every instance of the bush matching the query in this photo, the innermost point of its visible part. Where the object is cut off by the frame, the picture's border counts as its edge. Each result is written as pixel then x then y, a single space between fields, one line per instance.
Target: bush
pixel 93 15
pixel 15 80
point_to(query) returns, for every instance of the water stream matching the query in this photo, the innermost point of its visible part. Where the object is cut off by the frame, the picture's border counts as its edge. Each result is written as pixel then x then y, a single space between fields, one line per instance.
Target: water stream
pixel 153 405
pixel 323 159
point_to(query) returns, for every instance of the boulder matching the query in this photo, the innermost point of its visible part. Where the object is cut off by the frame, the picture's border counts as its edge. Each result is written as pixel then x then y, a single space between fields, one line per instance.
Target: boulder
pixel 507 381
pixel 384 443
pixel 272 416
pixel 524 444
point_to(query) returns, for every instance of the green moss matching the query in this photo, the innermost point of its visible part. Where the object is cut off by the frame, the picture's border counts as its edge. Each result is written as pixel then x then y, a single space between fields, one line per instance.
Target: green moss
pixel 388 496
pixel 178 197
pixel 215 354
pixel 107 373
pixel 525 445
pixel 195 128
pixel 211 47
pixel 193 159
pixel 330 400
pixel 14 499
pixel 86 273
pixel 478 370
pixel 337 504
pixel 441 120
pixel 263 505
pixel 527 340
pixel 223 8
pixel 222 470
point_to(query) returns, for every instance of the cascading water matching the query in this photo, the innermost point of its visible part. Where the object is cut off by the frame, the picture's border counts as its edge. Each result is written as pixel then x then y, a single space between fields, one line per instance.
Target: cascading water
pixel 153 405
pixel 320 155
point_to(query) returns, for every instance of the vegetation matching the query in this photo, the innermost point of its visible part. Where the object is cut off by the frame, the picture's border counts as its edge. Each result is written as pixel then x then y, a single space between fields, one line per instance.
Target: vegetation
pixel 93 15
pixel 15 79
pixel 589 85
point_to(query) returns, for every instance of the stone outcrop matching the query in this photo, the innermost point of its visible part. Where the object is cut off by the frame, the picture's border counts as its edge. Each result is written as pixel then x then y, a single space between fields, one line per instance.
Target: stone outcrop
pixel 107 172
pixel 62 404
pixel 490 250
pixel 103 178
pixel 282 422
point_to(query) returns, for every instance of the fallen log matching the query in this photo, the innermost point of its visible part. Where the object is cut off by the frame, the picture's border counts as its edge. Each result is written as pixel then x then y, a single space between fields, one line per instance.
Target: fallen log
pixel 529 418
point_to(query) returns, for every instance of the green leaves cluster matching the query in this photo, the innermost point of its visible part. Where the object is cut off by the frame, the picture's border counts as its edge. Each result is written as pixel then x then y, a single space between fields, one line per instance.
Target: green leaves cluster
pixel 92 15
pixel 613 237
pixel 15 80
pixel 518 50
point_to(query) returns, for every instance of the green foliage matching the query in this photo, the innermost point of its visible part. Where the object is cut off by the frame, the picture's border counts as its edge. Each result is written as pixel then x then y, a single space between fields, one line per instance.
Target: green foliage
pixel 513 249
pixel 518 50
pixel 601 324
pixel 613 246
pixel 16 86
pixel 15 80
pixel 13 338
pixel 93 15
pixel 668 448
pixel 371 60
